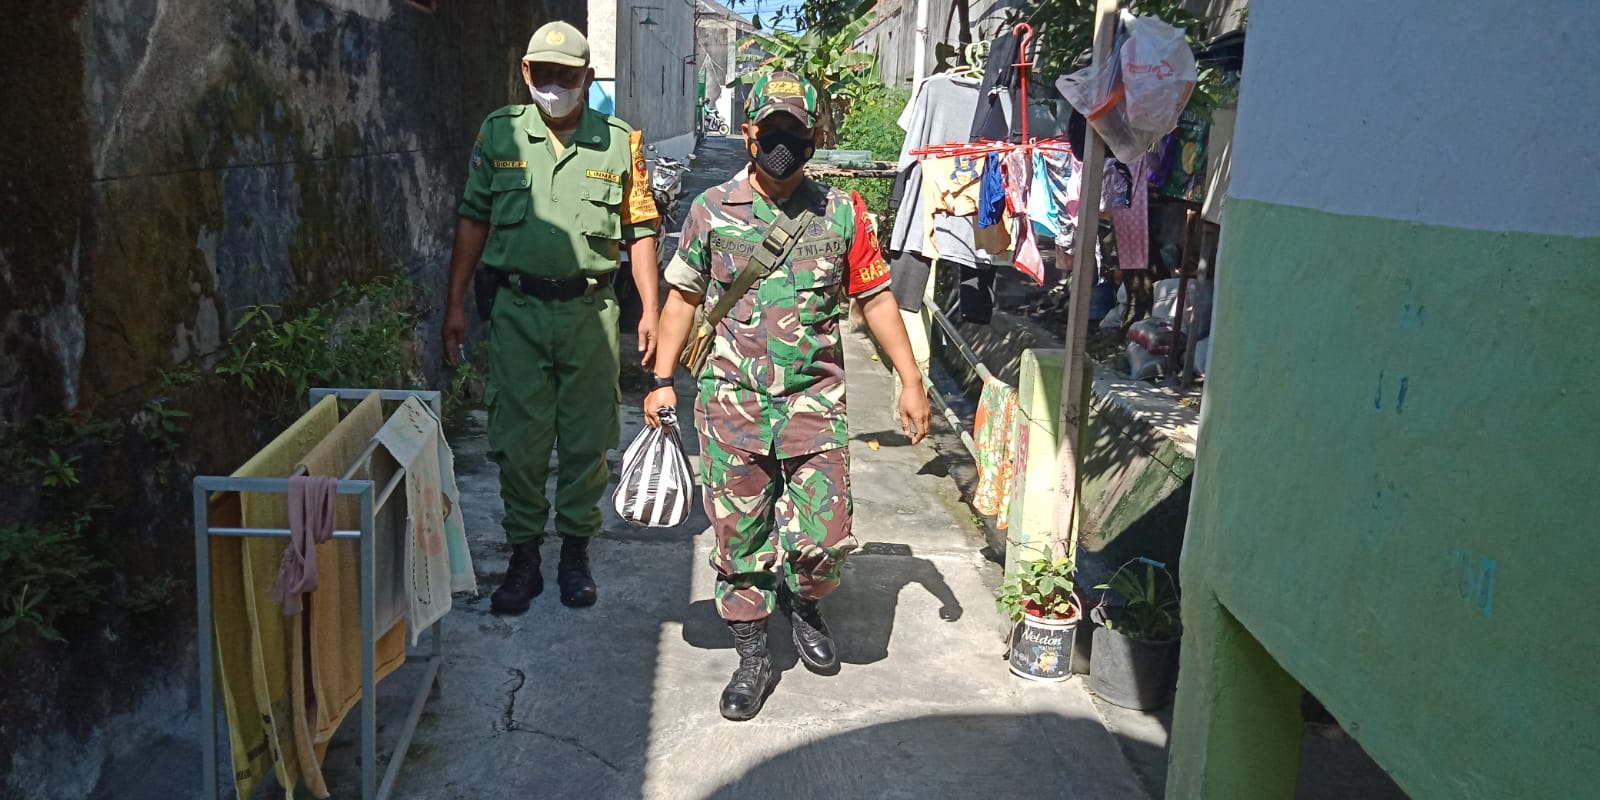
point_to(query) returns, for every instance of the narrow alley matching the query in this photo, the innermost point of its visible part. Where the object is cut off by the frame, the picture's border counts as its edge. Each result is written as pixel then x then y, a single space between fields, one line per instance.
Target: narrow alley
pixel 619 700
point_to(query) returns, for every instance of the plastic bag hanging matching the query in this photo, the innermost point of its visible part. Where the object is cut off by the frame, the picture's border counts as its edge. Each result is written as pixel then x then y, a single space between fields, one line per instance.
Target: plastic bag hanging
pixel 657 485
pixel 1136 97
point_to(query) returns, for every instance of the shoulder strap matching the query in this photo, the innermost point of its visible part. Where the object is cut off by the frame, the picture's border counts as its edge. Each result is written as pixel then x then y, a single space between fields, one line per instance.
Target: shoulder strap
pixel 780 239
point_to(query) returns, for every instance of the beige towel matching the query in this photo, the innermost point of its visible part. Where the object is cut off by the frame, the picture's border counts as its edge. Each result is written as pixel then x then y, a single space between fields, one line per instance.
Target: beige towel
pixel 327 660
pixel 270 632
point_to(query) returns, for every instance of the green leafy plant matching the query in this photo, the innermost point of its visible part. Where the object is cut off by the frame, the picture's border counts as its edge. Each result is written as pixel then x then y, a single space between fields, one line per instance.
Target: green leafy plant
pixel 1041 588
pixel 60 472
pixel 358 338
pixel 1151 610
pixel 151 595
pixel 841 75
pixel 45 572
pixel 872 126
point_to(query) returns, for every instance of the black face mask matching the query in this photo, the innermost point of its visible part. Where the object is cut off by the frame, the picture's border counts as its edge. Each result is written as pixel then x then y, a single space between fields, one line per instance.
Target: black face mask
pixel 782 154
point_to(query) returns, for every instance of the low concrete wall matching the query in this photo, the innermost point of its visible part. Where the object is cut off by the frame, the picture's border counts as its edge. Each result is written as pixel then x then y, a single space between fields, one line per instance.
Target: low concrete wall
pixel 1139 446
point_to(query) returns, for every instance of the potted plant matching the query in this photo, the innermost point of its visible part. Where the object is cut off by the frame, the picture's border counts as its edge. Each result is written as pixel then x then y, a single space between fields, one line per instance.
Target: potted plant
pixel 1044 613
pixel 1132 655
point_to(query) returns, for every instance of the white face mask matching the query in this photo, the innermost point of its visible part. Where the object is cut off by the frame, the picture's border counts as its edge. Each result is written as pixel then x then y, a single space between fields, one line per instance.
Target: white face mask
pixel 556 100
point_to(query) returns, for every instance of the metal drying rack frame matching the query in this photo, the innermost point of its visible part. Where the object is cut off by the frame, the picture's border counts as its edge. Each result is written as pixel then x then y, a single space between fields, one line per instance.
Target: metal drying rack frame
pixel 372 499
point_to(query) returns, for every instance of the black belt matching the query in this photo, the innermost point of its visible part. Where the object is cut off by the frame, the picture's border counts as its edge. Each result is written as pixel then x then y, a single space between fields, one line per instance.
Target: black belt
pixel 544 288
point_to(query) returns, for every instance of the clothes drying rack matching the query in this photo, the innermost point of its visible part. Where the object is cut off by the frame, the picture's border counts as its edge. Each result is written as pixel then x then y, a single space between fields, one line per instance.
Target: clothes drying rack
pixel 372 499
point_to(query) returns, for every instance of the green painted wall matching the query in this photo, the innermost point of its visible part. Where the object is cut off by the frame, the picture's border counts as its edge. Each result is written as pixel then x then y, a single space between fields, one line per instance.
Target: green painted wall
pixel 1395 495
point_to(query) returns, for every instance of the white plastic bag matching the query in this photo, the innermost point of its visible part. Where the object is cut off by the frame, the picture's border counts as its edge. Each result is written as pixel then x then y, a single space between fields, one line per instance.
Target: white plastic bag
pixel 1137 96
pixel 1158 73
pixel 657 484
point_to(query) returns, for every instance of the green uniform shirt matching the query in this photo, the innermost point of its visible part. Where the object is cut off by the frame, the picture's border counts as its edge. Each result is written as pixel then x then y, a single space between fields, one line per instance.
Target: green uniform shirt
pixel 555 217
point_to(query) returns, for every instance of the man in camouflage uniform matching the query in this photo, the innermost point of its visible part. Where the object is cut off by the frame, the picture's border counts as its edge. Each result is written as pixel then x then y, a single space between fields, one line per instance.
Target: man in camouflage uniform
pixel 553 191
pixel 771 407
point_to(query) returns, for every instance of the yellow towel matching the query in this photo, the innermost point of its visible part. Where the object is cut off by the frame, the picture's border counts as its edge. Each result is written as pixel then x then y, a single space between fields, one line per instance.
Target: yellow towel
pixel 326 661
pixel 270 631
pixel 247 731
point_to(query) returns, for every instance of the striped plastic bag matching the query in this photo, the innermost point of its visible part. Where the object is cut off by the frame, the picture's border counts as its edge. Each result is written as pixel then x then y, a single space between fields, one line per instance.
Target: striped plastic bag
pixel 657 485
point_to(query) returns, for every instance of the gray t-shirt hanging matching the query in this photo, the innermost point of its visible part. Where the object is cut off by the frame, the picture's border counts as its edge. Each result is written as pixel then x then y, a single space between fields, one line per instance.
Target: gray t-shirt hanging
pixel 942 113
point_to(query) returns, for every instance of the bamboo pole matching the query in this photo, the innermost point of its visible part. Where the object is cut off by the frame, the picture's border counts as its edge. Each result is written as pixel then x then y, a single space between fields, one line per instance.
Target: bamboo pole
pixel 1069 460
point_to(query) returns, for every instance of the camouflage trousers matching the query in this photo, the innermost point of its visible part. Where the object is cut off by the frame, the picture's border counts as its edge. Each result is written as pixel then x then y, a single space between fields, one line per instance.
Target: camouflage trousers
pixel 775 519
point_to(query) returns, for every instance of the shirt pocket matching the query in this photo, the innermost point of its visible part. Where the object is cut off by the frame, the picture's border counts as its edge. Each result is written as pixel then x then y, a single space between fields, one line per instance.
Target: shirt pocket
pixel 602 209
pixel 725 268
pixel 510 197
pixel 819 289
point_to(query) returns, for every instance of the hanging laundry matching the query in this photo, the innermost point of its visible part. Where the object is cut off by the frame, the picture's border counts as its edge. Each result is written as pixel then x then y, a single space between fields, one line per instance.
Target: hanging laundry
pixel 994 120
pixel 976 294
pixel 1116 186
pixel 908 281
pixel 992 197
pixel 262 714
pixel 1018 169
pixel 1180 169
pixel 310 508
pixel 326 664
pixel 995 437
pixel 438 561
pixel 941 112
pixel 1133 224
pixel 951 185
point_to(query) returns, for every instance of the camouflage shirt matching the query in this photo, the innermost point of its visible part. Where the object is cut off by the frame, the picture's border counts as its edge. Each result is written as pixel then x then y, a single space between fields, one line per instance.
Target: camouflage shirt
pixel 774 382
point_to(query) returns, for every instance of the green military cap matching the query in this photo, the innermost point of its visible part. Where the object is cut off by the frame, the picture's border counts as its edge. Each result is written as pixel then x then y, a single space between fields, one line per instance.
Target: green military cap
pixel 558 43
pixel 783 92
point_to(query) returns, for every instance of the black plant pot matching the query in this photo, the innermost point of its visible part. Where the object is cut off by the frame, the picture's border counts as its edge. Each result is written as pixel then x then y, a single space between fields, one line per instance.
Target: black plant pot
pixel 1130 672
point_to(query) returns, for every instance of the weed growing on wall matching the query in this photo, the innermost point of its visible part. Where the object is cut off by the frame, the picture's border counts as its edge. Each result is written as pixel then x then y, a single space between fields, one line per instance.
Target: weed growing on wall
pixel 357 338
pixel 872 126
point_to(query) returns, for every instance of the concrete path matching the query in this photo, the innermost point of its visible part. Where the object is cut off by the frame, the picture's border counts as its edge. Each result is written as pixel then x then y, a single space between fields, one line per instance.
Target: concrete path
pixel 619 700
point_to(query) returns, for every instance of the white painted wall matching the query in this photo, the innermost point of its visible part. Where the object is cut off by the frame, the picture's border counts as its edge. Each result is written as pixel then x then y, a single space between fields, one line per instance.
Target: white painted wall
pixel 1484 116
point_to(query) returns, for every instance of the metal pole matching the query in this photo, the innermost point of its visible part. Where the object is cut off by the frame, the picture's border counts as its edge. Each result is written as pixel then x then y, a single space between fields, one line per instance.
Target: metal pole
pixel 208 689
pixel 369 641
pixel 1068 458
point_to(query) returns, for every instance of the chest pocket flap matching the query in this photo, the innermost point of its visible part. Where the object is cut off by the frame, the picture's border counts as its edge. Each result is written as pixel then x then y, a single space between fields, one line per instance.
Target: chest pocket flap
pixel 818 280
pixel 730 256
pixel 602 214
pixel 511 198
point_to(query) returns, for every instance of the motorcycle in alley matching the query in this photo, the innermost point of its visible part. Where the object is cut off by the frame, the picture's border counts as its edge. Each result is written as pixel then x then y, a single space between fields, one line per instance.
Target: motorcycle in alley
pixel 714 124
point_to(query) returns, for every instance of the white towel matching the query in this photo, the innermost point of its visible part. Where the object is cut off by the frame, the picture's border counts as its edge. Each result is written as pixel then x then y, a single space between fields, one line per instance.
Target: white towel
pixel 438 561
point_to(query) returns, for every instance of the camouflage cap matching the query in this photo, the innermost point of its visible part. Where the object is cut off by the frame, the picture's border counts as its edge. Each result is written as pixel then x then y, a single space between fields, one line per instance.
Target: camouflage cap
pixel 558 43
pixel 783 92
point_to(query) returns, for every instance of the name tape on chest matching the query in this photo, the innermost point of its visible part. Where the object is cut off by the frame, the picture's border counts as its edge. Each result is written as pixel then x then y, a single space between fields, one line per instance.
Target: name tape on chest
pixel 608 177
pixel 510 165
pixel 819 248
pixel 723 243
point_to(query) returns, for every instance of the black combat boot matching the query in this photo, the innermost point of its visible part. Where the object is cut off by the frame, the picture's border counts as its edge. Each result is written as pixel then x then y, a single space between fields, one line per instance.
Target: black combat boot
pixel 523 580
pixel 811 637
pixel 748 689
pixel 572 573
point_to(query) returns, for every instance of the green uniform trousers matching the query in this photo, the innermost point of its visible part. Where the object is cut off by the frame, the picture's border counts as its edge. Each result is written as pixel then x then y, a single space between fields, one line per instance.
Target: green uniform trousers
pixel 553 369
pixel 777 520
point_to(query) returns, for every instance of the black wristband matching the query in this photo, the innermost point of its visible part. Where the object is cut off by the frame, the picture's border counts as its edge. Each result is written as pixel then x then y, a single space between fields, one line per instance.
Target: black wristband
pixel 658 382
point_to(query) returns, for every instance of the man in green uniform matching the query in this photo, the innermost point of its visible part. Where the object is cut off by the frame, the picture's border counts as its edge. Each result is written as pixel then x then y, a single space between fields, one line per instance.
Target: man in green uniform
pixel 554 190
pixel 771 403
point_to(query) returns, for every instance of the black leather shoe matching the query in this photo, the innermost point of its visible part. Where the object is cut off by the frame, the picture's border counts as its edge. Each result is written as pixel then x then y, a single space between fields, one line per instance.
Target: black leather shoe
pixel 752 680
pixel 523 581
pixel 811 637
pixel 572 573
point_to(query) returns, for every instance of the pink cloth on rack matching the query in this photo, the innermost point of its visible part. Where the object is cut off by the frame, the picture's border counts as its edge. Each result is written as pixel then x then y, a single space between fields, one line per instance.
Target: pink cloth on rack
pixel 310 524
pixel 1132 224
pixel 1025 250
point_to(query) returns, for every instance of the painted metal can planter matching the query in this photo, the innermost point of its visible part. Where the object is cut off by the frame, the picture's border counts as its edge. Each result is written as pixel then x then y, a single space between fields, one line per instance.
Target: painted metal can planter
pixel 1041 649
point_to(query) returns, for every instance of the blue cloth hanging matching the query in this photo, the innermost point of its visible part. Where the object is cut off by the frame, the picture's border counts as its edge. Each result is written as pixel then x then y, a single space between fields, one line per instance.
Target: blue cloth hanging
pixel 992 195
